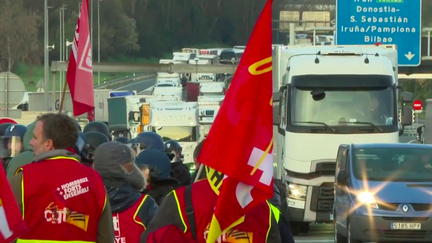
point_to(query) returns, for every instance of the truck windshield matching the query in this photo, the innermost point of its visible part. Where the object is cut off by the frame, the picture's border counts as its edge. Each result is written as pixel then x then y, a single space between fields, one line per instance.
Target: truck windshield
pixel 227 55
pixel 178 133
pixel 339 106
pixel 403 164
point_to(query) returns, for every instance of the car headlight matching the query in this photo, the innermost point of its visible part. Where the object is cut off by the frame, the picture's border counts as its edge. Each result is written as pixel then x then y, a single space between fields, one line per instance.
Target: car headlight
pixel 367 199
pixel 297 191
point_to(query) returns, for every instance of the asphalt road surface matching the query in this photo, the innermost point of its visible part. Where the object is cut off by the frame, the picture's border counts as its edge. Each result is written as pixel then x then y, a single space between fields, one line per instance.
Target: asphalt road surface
pixel 319 233
pixel 139 86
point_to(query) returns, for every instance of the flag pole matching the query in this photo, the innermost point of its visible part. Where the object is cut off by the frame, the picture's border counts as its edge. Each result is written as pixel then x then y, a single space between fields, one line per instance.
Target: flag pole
pixel 198 175
pixel 63 96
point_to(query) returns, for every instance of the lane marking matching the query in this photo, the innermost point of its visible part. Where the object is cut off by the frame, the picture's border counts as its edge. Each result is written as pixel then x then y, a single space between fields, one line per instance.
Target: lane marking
pixel 135 83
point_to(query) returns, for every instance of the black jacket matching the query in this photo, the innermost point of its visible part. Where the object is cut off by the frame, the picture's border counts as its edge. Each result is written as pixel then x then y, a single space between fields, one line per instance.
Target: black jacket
pixel 180 172
pixel 159 189
pixel 124 197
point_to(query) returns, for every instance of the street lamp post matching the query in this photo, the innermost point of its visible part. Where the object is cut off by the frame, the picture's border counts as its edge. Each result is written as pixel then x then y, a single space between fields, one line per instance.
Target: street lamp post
pixel 91 29
pixel 233 61
pixel 45 49
pixel 46 54
pixel 99 32
pixel 62 46
pixel 196 70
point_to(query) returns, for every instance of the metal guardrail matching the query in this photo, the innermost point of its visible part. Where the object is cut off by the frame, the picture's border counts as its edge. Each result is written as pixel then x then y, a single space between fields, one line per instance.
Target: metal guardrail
pixel 125 80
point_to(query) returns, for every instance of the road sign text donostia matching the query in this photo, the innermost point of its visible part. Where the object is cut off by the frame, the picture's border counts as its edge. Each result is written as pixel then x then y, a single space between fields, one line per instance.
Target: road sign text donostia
pixel 390 22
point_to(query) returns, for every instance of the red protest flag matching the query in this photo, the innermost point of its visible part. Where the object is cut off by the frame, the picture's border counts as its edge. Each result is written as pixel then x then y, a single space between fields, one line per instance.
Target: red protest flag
pixel 240 142
pixel 12 224
pixel 80 69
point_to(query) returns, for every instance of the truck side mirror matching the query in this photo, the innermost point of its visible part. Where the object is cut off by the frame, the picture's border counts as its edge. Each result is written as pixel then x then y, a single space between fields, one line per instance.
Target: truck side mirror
pixel 276 115
pixel 407 97
pixel 342 177
pixel 407 116
pixel 401 129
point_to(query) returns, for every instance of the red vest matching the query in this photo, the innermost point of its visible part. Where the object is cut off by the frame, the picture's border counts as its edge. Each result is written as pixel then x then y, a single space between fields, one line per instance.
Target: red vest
pixel 254 229
pixel 62 201
pixel 128 227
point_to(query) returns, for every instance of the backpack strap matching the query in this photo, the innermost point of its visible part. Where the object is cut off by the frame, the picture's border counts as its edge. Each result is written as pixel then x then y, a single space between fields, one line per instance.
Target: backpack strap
pixel 190 211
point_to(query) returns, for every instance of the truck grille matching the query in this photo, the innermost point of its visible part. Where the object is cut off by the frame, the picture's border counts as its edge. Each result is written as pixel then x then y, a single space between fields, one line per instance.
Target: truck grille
pixel 209 112
pixel 322 198
pixel 326 193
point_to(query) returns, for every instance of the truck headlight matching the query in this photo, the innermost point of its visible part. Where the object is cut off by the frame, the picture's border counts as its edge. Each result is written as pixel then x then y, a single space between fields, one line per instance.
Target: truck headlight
pixel 297 191
pixel 367 199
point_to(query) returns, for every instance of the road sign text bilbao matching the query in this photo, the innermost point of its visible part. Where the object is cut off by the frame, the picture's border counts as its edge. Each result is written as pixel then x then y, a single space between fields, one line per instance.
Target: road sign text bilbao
pixel 391 22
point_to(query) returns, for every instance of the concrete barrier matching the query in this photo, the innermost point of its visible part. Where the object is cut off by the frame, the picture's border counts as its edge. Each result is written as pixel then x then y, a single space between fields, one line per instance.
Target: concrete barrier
pixel 108 84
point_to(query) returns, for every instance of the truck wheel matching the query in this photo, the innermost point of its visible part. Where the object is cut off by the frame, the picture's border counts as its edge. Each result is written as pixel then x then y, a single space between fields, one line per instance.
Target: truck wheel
pixel 304 228
pixel 349 237
pixel 338 238
pixel 295 228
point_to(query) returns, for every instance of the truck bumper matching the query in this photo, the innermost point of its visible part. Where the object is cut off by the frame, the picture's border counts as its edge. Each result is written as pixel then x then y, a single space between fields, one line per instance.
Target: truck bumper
pixel 318 206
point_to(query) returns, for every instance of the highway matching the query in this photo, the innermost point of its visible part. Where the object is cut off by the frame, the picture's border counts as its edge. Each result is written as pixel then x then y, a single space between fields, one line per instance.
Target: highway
pixel 139 86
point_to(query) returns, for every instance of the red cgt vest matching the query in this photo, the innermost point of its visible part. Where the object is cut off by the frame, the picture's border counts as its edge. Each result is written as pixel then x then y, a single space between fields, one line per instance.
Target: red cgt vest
pixel 254 229
pixel 62 201
pixel 128 227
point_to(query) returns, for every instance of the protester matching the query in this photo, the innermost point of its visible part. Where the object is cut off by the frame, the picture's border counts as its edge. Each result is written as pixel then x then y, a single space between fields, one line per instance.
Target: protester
pixel 131 210
pixel 156 167
pixel 63 199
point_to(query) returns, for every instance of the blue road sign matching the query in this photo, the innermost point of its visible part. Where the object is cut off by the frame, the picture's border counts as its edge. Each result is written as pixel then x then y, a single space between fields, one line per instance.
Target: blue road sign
pixel 390 22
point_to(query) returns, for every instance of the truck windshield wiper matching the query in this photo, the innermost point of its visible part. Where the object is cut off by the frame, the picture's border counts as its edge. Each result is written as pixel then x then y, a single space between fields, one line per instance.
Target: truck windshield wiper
pixel 319 123
pixel 365 123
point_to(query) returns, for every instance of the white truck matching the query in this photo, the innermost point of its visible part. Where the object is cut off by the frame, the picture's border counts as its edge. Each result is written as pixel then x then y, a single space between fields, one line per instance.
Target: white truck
pixel 168 78
pixel 209 102
pixel 176 120
pixel 124 113
pixel 212 88
pixel 200 77
pixel 208 106
pixel 167 85
pixel 325 96
pixel 184 57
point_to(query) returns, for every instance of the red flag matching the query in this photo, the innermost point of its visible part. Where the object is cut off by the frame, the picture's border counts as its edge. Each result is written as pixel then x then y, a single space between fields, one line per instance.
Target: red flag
pixel 91 115
pixel 12 224
pixel 80 71
pixel 240 142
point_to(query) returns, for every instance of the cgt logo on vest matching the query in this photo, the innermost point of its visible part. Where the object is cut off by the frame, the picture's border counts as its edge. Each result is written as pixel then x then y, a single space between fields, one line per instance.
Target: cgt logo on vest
pixel 232 236
pixel 56 215
pixel 117 232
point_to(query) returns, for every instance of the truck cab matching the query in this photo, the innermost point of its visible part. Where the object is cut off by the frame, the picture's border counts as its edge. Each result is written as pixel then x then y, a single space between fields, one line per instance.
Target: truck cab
pixel 326 96
pixel 175 120
pixel 209 106
pixel 383 193
pixel 212 88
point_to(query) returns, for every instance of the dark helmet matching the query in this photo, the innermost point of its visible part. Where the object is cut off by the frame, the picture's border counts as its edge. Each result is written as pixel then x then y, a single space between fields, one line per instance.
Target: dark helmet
pixel 97 126
pixel 123 140
pixel 32 124
pixel 157 162
pixel 172 145
pixel 15 131
pixel 80 144
pixel 78 125
pixel 149 140
pixel 4 127
pixel 11 143
pixel 93 140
